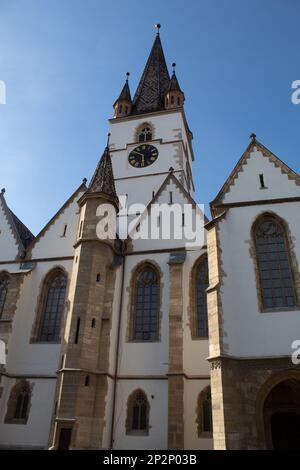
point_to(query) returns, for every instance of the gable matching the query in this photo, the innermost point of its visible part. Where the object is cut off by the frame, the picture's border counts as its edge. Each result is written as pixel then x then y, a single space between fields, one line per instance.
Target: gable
pixel 9 242
pixel 244 183
pixel 170 195
pixel 58 237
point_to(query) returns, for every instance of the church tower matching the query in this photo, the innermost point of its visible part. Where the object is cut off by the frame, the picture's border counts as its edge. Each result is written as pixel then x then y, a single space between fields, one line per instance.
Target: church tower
pixel 81 389
pixel 150 134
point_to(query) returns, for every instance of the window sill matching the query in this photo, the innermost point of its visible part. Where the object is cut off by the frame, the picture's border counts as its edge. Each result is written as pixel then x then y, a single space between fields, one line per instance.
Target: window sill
pixel 138 433
pixel 44 342
pixel 206 435
pixel 16 421
pixel 280 309
pixel 138 341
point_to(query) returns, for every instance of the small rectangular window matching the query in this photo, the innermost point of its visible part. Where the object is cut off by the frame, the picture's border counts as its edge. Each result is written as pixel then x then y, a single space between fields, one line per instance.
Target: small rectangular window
pixel 80 230
pixel 64 230
pixel 170 197
pixel 262 181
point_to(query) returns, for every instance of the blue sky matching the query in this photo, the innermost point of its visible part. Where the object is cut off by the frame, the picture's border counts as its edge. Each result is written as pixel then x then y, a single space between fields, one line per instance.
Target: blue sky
pixel 64 63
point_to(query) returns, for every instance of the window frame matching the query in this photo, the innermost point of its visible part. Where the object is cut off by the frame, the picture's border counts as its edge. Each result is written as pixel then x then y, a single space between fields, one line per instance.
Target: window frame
pixel 201 400
pixel 4 278
pixel 137 272
pixel 193 307
pixel 12 402
pixel 42 303
pixel 279 221
pixel 129 414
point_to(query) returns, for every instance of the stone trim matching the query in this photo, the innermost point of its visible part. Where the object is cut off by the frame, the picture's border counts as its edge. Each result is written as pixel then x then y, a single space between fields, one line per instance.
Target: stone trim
pixel 129 411
pixel 41 303
pixel 131 299
pixel 289 239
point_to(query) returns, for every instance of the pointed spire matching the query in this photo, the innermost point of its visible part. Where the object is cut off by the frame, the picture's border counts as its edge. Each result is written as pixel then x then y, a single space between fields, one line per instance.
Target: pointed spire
pixel 174 85
pixel 125 93
pixel 103 178
pixel 154 83
pixel 174 97
pixel 123 104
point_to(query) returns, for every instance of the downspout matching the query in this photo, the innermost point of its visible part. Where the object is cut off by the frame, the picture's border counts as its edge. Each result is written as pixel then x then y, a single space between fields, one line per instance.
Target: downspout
pixel 117 358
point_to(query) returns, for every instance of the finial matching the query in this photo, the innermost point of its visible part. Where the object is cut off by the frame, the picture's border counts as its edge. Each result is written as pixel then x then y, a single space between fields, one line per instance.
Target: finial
pixel 107 143
pixel 253 137
pixel 84 180
pixel 174 65
pixel 171 169
pixel 2 191
pixel 127 76
pixel 158 26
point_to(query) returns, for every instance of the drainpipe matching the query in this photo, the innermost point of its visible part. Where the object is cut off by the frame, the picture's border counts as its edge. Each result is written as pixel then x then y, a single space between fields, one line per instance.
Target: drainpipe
pixel 117 358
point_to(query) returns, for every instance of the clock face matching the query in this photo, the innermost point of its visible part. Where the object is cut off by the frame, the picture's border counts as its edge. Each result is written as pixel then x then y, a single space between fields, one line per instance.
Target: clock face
pixel 143 155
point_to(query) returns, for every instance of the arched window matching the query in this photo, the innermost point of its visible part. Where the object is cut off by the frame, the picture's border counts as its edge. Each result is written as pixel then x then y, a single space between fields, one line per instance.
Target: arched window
pixel 53 306
pixel 201 283
pixel 145 133
pixel 146 304
pixel 275 273
pixel 137 413
pixel 204 413
pixel 18 403
pixel 3 291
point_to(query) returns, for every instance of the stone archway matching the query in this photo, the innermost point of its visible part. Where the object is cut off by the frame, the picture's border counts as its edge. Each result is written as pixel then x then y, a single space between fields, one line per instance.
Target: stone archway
pixel 278 412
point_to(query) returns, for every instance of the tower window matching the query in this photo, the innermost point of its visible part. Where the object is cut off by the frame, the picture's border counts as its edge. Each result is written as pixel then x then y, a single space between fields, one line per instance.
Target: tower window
pixel 178 101
pixel 172 99
pixel 170 197
pixel 145 134
pixel 77 331
pixel 120 109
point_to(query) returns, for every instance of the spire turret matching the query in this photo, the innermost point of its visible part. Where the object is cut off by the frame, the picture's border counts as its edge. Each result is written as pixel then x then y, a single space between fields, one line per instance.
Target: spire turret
pixel 103 178
pixel 174 97
pixel 123 104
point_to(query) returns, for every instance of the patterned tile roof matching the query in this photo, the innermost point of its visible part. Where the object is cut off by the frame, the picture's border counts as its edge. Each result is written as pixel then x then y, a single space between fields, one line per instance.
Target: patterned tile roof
pixel 154 82
pixel 103 178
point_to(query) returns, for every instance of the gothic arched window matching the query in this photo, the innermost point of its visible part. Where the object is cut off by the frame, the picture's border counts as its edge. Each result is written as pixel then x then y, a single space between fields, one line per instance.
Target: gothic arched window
pixel 201 284
pixel 18 403
pixel 146 304
pixel 3 291
pixel 274 266
pixel 145 133
pixel 53 303
pixel 137 413
pixel 204 412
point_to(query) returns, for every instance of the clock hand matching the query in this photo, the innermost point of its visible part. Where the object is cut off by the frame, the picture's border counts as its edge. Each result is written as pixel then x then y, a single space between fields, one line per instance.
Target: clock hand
pixel 139 153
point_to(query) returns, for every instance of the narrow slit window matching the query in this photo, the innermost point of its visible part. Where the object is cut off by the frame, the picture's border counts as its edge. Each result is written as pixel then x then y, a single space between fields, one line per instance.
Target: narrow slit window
pixel 262 181
pixel 77 331
pixel 64 230
pixel 170 197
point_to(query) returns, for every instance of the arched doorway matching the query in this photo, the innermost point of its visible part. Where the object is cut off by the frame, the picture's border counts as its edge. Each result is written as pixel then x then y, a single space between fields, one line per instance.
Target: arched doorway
pixel 281 413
